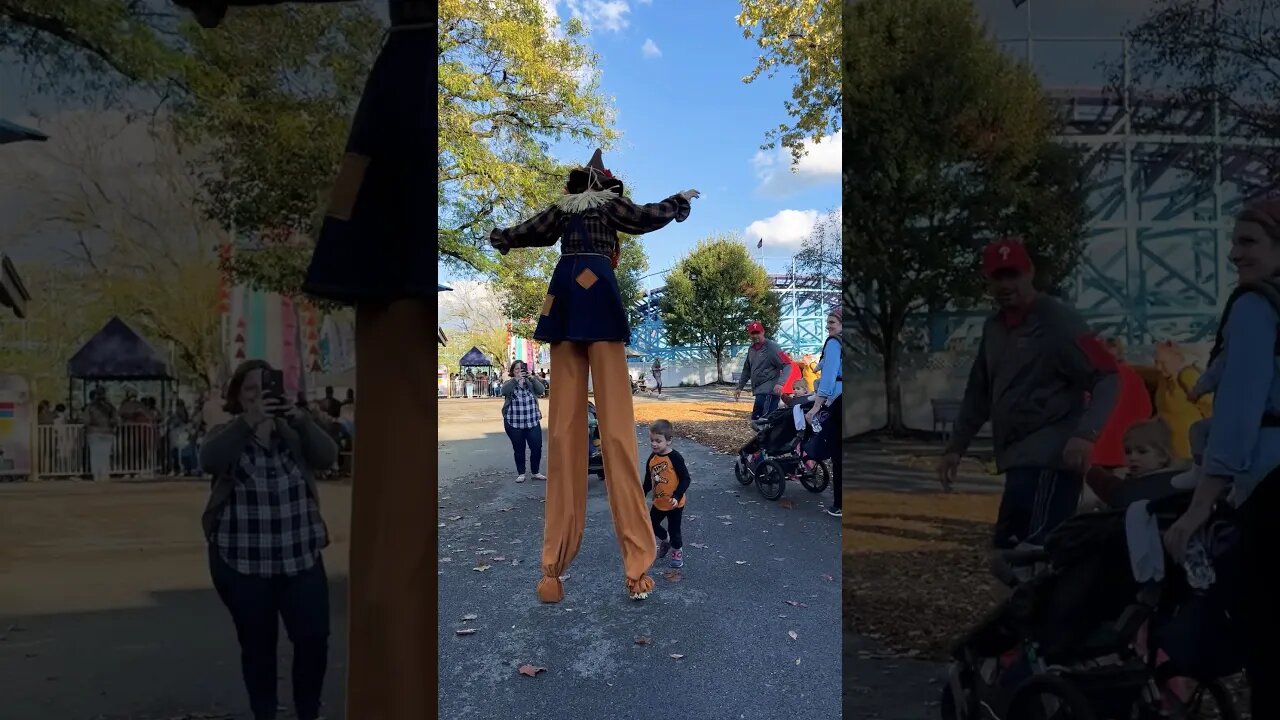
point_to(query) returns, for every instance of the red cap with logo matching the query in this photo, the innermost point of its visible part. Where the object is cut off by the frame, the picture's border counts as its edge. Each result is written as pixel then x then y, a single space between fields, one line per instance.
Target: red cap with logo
pixel 755 327
pixel 1005 254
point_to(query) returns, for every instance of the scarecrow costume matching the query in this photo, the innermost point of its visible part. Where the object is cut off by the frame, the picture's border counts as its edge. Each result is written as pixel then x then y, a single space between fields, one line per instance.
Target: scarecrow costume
pixel 372 253
pixel 585 322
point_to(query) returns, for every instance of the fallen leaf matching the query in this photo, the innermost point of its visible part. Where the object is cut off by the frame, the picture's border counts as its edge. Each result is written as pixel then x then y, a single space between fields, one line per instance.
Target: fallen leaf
pixel 724 517
pixel 515 561
pixel 726 522
pixel 643 640
pixel 672 576
pixel 530 670
pixel 456 518
pixel 700 546
pixel 465 631
pixel 446 559
pixel 792 634
pixel 793 603
pixel 828 578
pixel 486 552
pixel 499 558
pixel 677 656
pixel 469 617
pixel 797 661
pixel 506 509
pixel 564 577
pixel 741 562
pixel 440 525
pixel 481 568
pixel 786 504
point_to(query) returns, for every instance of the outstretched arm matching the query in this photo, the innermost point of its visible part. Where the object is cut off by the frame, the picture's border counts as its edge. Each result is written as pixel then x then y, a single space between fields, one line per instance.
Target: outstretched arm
pixel 628 217
pixel 541 230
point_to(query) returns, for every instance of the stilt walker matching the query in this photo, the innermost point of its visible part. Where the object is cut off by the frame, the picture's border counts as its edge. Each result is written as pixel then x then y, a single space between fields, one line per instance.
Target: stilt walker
pixel 372 254
pixel 585 322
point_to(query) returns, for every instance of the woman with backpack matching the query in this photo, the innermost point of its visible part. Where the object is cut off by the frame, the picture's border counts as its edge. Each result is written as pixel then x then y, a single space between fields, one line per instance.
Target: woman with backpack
pixel 1241 462
pixel 827 400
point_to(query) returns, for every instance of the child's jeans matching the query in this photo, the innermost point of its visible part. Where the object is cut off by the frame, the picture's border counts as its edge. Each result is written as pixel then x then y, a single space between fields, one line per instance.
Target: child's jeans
pixel 672 532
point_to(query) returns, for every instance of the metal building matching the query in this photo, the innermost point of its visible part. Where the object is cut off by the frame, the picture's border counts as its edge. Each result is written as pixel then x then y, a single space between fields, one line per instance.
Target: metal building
pixel 806 299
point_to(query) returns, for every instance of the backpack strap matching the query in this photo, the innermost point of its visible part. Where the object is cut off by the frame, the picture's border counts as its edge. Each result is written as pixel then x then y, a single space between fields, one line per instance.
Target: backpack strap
pixel 1268 289
pixel 839 375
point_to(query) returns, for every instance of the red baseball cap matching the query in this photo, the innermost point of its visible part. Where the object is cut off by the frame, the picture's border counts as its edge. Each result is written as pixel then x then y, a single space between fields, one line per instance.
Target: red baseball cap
pixel 755 326
pixel 1005 254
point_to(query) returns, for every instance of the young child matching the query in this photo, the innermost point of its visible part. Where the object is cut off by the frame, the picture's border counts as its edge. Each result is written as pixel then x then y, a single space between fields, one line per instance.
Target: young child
pixel 666 474
pixel 1149 459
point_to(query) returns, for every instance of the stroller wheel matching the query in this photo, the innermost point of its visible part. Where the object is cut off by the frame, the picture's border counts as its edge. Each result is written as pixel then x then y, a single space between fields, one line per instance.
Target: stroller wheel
pixel 1049 697
pixel 772 480
pixel 1211 701
pixel 741 472
pixel 816 480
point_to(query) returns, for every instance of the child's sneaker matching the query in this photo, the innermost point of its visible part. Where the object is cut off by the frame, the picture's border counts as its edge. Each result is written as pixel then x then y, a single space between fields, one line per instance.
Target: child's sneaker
pixel 663 547
pixel 677 558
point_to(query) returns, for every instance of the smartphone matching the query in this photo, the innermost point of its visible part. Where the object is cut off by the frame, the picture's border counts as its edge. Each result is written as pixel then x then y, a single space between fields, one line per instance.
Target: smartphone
pixel 273 387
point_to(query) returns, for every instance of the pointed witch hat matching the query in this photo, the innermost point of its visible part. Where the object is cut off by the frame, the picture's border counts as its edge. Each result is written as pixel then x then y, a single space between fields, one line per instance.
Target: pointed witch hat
pixel 594 176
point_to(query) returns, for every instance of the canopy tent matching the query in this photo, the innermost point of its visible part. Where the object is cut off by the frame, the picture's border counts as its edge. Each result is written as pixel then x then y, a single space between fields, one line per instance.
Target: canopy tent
pixel 117 353
pixel 475 358
pixel 13 132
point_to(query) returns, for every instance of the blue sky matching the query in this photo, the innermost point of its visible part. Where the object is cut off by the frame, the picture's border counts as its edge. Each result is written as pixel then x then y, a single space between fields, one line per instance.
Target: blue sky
pixel 687 120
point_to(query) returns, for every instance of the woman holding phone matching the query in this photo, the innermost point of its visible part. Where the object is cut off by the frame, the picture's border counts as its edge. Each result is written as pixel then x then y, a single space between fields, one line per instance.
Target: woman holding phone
pixel 265 535
pixel 522 418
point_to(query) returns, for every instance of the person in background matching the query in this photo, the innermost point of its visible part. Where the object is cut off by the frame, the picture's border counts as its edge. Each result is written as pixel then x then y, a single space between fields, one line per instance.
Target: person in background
pixel 1132 406
pixel 657 374
pixel 44 415
pixel 764 368
pixel 1048 386
pixel 330 404
pixel 827 404
pixel 351 397
pixel 522 419
pixel 100 433
pixel 1170 381
pixel 178 430
pixel 265 538
pixel 809 372
pixel 1150 465
pixel 470 383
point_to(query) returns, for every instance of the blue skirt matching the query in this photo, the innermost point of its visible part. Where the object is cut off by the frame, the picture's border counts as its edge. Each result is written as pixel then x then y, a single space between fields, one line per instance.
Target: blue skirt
pixel 583 303
pixel 373 246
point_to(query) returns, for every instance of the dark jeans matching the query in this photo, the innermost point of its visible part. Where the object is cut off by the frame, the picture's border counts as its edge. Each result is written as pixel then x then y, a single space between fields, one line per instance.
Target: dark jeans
pixel 672 517
pixel 833 428
pixel 302 602
pixel 765 403
pixel 522 437
pixel 1035 501
pixel 1257 623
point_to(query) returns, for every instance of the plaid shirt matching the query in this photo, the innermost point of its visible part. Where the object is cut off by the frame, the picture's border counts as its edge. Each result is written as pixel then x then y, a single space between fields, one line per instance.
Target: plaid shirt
pixel 523 412
pixel 271 525
pixel 602 222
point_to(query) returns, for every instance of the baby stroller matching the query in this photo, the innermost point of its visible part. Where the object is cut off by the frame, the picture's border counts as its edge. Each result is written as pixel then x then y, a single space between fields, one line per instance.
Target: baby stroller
pixel 595 460
pixel 775 455
pixel 1063 645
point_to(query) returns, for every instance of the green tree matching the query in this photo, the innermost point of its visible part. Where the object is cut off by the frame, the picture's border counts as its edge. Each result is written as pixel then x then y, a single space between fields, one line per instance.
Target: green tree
pixel 511 81
pixel 804 36
pixel 948 143
pixel 521 278
pixel 712 293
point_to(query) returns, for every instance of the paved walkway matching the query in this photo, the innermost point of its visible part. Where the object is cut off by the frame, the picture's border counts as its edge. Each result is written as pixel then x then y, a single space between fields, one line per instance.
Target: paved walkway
pixel 755 573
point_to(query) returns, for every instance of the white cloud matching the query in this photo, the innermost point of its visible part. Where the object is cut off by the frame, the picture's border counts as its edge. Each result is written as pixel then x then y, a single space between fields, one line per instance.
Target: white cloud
pixel 787 229
pixel 650 49
pixel 608 15
pixel 821 164
pixel 645 2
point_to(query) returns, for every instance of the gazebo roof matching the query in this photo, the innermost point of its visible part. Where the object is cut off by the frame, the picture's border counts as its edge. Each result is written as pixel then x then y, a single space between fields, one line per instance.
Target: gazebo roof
pixel 475 358
pixel 116 352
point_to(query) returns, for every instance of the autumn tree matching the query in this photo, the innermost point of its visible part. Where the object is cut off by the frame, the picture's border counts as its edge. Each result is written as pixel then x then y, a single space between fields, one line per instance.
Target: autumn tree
pixel 143 250
pixel 948 143
pixel 804 37
pixel 472 316
pixel 511 80
pixel 712 293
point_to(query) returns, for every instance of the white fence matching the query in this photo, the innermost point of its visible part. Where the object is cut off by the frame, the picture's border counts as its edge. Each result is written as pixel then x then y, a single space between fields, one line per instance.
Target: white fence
pixel 61 450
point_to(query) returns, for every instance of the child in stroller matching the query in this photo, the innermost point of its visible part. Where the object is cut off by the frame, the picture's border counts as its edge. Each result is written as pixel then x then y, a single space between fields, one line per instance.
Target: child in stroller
pixel 776 455
pixel 1064 644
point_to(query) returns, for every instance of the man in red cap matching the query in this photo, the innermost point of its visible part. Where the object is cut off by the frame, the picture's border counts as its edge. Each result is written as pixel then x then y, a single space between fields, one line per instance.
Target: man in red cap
pixel 766 367
pixel 1047 384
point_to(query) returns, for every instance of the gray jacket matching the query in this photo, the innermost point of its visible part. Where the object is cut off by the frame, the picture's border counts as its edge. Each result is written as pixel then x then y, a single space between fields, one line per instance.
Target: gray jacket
pixel 311 446
pixel 509 389
pixel 764 368
pixel 1040 383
